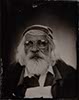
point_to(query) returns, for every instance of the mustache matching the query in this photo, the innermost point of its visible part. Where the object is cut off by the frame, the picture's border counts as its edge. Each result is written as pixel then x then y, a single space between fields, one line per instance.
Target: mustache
pixel 36 56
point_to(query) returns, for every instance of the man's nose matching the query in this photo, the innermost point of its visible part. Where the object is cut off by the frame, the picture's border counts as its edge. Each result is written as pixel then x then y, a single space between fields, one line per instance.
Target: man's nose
pixel 35 49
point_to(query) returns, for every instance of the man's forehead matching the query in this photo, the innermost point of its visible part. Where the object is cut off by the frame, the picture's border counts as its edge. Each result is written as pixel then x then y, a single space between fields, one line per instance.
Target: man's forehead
pixel 36 32
pixel 35 35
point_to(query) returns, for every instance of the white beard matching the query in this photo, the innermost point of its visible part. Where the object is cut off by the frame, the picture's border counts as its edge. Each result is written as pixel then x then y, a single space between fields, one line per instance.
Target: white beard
pixel 37 67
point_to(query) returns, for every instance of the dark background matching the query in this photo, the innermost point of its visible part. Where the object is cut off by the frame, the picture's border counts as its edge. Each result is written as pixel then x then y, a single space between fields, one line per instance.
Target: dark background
pixel 18 14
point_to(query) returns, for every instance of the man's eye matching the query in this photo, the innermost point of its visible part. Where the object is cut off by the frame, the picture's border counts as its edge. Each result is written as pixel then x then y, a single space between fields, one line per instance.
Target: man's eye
pixel 42 43
pixel 28 43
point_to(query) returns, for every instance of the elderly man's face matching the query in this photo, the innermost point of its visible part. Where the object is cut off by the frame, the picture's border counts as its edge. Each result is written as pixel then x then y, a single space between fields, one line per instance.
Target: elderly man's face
pixel 37 51
pixel 36 41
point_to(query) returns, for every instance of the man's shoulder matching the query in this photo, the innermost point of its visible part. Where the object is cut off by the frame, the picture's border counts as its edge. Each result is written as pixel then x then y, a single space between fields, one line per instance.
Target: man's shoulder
pixel 61 64
pixel 13 70
pixel 64 68
pixel 68 73
pixel 14 66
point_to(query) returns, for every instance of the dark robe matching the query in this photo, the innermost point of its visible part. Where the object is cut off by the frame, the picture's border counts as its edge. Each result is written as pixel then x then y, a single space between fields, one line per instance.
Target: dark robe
pixel 64 85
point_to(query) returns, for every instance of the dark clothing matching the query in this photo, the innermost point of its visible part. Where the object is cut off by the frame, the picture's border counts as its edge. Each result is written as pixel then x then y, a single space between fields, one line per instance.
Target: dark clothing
pixel 63 85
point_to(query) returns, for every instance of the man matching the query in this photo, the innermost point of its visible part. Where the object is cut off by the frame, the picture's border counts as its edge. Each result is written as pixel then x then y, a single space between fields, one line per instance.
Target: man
pixel 37 73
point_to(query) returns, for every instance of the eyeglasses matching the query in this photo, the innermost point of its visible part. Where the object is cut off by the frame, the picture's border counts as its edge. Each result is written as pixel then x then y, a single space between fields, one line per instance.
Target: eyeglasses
pixel 38 43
